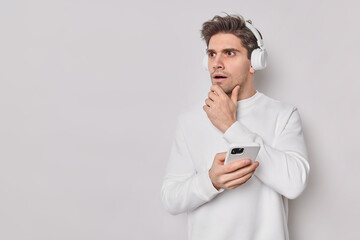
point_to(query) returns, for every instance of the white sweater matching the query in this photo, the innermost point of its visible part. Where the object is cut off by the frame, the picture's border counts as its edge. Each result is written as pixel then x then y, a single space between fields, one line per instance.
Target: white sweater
pixel 258 209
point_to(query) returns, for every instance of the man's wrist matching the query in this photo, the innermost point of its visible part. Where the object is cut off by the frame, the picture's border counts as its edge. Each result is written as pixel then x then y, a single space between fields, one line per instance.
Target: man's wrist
pixel 227 126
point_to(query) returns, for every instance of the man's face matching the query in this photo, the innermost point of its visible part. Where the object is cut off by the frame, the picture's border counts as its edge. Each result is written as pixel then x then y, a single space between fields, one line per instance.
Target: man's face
pixel 228 63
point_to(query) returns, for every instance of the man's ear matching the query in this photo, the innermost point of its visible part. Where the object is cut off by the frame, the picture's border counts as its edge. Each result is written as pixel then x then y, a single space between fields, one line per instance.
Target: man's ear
pixel 252 70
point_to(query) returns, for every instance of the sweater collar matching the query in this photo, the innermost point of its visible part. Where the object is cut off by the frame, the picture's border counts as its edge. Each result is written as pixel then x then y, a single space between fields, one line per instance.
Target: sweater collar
pixel 249 101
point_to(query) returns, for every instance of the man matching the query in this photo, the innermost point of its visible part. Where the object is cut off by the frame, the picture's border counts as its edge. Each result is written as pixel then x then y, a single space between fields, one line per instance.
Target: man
pixel 241 199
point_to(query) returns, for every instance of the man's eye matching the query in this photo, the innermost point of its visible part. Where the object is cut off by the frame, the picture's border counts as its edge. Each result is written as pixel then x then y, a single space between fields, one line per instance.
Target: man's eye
pixel 211 54
pixel 230 53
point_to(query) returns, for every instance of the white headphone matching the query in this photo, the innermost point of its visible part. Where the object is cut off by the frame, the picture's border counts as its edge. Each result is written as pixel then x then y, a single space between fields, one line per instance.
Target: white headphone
pixel 258 55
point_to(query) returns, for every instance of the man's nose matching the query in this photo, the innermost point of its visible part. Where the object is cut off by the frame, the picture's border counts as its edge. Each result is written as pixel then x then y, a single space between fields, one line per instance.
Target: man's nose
pixel 218 63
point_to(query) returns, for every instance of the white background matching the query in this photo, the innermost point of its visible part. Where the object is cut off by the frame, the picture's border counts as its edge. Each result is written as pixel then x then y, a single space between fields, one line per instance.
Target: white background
pixel 90 92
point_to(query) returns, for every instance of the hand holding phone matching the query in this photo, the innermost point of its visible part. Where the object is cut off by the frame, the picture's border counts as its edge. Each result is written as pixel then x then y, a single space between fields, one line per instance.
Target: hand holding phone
pixel 224 176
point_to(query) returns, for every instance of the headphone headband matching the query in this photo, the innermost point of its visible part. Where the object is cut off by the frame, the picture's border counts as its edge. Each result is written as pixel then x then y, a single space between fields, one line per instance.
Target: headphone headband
pixel 256 34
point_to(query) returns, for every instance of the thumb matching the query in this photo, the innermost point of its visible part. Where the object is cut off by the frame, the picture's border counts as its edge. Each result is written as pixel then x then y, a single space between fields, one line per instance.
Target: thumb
pixel 220 158
pixel 234 94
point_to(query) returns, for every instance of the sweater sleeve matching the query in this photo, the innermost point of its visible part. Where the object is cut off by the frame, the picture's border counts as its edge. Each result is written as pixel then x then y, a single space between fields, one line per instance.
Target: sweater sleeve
pixel 284 166
pixel 183 188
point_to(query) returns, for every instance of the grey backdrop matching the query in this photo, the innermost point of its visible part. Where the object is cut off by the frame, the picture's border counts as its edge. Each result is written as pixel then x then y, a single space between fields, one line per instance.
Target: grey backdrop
pixel 90 92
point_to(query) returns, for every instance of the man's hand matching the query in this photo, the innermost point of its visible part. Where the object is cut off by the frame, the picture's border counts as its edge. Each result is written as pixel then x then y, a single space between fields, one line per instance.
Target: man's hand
pixel 220 109
pixel 231 175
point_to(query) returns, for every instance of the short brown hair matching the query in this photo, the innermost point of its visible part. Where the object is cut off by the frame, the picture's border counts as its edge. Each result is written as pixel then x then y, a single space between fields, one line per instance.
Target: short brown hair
pixel 234 24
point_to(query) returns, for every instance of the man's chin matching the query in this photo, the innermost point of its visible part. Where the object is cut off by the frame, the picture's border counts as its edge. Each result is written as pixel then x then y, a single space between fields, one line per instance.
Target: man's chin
pixel 226 89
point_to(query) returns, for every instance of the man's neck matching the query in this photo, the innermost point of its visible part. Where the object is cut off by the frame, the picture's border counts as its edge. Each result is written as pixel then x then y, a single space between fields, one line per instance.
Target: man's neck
pixel 244 94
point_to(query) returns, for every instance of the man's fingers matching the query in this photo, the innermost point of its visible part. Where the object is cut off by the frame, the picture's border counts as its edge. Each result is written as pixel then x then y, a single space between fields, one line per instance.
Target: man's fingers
pixel 209 102
pixel 212 95
pixel 239 173
pixel 234 94
pixel 206 108
pixel 220 158
pixel 239 181
pixel 218 90
pixel 236 165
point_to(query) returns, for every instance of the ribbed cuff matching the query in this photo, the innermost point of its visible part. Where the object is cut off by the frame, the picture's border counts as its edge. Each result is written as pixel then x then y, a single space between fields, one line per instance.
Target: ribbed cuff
pixel 206 189
pixel 238 133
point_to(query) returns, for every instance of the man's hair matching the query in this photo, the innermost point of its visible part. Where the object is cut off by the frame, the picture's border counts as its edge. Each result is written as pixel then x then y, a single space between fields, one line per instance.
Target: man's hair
pixel 234 24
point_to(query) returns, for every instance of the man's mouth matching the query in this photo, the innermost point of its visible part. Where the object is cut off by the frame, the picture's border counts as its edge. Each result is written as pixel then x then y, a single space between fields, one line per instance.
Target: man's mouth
pixel 219 77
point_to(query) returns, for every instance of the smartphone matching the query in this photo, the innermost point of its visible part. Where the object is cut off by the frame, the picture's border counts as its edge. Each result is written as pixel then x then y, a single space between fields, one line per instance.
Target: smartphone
pixel 239 151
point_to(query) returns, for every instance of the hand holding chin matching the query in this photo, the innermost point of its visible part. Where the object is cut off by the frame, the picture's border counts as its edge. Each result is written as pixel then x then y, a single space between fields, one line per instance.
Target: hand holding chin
pixel 220 108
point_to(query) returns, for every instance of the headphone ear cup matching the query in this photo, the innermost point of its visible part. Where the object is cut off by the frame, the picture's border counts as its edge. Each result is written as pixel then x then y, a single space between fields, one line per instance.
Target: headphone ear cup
pixel 205 63
pixel 259 59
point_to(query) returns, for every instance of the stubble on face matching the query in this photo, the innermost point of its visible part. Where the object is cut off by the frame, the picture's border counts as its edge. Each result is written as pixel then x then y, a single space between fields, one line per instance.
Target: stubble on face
pixel 229 83
pixel 225 84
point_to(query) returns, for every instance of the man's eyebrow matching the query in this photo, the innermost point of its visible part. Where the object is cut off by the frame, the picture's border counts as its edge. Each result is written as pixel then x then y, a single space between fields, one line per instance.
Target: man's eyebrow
pixel 223 50
pixel 209 51
pixel 230 50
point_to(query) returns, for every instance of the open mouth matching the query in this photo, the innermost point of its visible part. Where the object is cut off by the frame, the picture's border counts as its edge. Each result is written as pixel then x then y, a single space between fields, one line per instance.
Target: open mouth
pixel 219 78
